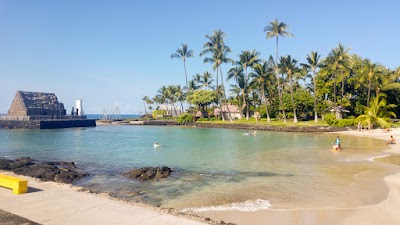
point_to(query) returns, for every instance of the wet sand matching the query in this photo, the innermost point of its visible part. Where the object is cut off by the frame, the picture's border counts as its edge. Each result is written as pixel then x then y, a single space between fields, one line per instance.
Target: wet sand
pixel 385 212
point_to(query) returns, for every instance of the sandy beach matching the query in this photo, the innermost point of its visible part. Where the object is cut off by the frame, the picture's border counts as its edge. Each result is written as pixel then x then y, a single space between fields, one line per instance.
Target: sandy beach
pixel 385 212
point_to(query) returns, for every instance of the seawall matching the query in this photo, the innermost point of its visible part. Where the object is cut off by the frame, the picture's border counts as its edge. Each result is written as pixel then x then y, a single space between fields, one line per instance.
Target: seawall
pixel 46 124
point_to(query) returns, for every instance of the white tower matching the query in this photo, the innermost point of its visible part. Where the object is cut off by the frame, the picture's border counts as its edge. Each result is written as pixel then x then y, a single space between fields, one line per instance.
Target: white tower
pixel 78 107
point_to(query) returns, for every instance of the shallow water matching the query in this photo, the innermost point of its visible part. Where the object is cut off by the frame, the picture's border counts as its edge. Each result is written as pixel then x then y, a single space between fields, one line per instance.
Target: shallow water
pixel 215 169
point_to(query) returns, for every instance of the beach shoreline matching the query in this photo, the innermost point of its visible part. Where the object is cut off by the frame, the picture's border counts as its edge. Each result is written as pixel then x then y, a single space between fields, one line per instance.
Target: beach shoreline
pixel 384 212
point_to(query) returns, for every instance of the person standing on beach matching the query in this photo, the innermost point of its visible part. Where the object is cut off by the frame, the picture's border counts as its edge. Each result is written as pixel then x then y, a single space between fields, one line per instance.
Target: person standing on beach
pixel 359 126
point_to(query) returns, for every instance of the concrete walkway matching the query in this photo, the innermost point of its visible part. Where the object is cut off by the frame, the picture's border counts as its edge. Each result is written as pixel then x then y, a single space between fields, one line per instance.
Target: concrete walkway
pixel 53 203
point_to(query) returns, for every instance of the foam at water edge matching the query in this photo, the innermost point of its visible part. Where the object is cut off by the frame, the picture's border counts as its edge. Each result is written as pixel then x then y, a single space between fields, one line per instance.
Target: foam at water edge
pixel 247 206
pixel 379 156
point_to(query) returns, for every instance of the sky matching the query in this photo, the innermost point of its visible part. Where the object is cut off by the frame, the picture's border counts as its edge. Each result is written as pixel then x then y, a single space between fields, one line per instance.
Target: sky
pixel 112 53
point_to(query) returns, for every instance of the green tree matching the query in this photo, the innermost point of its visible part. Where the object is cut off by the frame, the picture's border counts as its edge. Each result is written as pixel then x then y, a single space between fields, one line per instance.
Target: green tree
pixel 378 113
pixel 218 50
pixel 288 66
pixel 276 29
pixel 337 62
pixel 246 60
pixel 260 76
pixel 313 63
pixel 206 80
pixel 370 73
pixel 202 98
pixel 183 53
pixel 145 100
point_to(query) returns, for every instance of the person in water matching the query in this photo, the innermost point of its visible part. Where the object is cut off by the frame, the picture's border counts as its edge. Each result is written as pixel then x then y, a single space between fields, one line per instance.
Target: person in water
pixel 337 146
pixel 391 140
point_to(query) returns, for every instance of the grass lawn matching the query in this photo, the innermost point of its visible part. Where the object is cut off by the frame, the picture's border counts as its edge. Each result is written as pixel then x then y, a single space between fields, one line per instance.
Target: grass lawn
pixel 274 122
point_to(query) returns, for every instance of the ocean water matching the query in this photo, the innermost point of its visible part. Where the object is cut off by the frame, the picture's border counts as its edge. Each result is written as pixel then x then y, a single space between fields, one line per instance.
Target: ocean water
pixel 215 169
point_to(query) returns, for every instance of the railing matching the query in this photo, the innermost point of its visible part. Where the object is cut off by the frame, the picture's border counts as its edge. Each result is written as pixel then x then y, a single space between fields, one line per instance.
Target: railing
pixel 42 117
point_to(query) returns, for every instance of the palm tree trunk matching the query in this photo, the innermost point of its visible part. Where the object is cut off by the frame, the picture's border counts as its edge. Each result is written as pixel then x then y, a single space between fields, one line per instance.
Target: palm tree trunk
pixel 184 66
pixel 277 77
pixel 265 103
pixel 369 91
pixel 291 96
pixel 334 90
pixel 218 103
pixel 173 105
pixel 145 112
pixel 315 99
pixel 223 90
pixel 247 100
pixel 341 99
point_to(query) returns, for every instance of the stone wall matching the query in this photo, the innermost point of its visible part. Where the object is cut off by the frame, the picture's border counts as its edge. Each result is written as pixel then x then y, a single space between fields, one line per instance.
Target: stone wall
pixel 45 124
pixel 15 124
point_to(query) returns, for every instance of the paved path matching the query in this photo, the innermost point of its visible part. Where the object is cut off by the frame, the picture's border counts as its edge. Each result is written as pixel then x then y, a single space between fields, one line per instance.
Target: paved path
pixel 52 203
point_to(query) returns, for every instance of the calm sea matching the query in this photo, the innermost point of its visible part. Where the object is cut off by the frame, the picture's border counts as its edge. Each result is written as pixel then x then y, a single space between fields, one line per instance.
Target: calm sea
pixel 215 169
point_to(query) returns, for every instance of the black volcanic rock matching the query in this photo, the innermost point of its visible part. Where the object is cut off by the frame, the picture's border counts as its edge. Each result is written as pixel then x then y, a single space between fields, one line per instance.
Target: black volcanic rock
pixel 63 172
pixel 147 173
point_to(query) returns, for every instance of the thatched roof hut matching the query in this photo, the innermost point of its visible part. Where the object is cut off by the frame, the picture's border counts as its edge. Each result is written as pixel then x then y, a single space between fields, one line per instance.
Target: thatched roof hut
pixel 35 104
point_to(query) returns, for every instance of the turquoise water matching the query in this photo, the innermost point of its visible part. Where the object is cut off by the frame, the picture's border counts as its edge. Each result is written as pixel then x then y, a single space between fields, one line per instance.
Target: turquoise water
pixel 213 167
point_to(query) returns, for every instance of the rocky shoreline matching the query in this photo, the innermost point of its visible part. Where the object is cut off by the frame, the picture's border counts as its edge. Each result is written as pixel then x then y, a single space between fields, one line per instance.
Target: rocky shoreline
pixel 61 172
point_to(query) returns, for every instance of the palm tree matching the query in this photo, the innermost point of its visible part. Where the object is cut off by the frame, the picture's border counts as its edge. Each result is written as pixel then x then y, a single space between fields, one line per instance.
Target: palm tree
pixel 288 66
pixel 197 78
pixel 313 63
pixel 145 100
pixel 246 60
pixel 171 95
pixel 378 113
pixel 337 61
pixel 370 73
pixel 183 53
pixel 216 46
pixel 236 73
pixel 260 76
pixel 276 29
pixel 180 95
pixel 206 80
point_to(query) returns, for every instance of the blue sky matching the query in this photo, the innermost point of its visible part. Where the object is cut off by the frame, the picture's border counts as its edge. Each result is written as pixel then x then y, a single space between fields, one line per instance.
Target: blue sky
pixel 112 53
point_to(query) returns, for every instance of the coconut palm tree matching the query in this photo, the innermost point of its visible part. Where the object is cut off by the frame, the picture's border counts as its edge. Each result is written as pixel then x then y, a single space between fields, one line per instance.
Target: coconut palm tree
pixel 145 100
pixel 206 80
pixel 378 113
pixel 276 29
pixel 197 78
pixel 218 50
pixel 313 63
pixel 288 66
pixel 171 95
pixel 370 73
pixel 236 73
pixel 338 62
pixel 260 76
pixel 246 60
pixel 183 53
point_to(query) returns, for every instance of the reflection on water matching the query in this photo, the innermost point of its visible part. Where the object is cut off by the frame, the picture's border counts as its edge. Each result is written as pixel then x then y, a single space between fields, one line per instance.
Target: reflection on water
pixel 215 167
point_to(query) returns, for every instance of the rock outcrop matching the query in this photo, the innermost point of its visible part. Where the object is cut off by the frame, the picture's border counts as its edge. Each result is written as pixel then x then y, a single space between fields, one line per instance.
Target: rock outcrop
pixel 147 173
pixel 62 172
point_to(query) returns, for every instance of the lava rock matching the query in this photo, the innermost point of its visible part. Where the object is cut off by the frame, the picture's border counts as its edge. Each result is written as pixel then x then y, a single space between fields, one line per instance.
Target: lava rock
pixel 147 173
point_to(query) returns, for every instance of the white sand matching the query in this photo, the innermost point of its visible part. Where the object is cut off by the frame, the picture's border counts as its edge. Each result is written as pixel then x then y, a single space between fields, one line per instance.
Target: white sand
pixel 386 212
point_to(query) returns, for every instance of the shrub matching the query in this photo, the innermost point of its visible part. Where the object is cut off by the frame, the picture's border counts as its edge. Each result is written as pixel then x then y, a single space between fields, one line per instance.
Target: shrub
pixel 330 119
pixel 159 113
pixel 203 119
pixel 185 118
pixel 346 122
